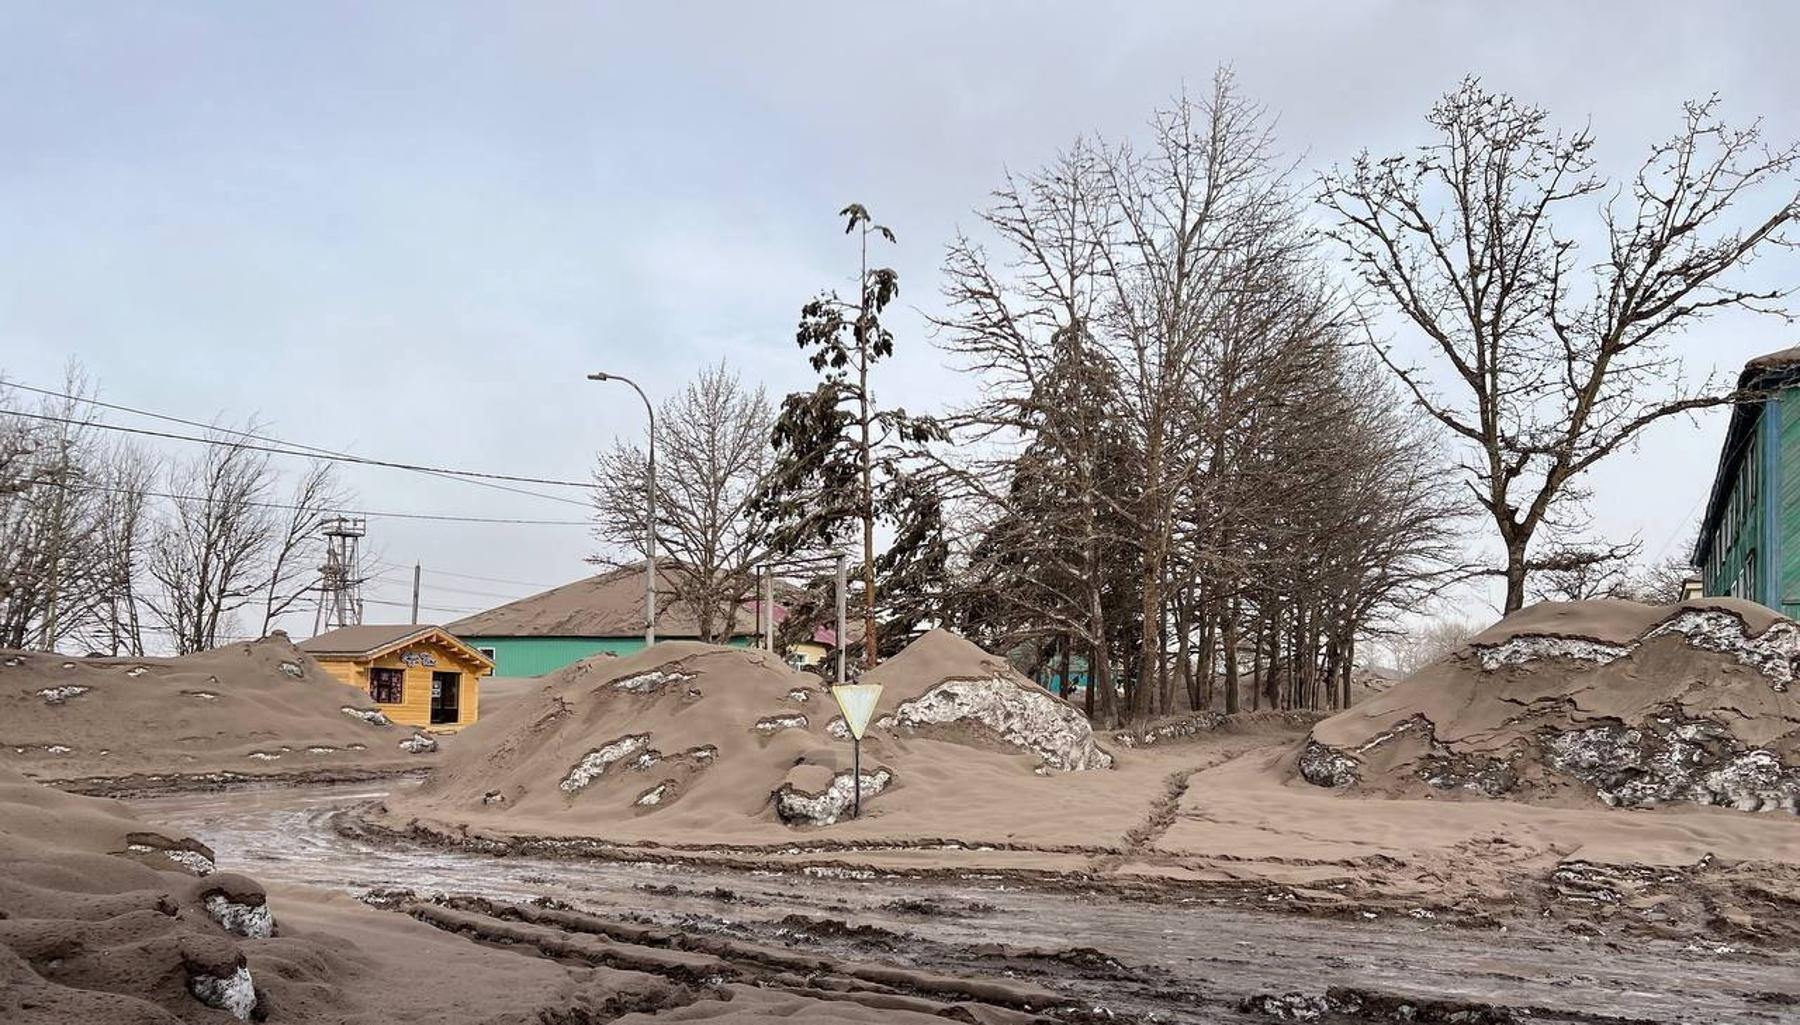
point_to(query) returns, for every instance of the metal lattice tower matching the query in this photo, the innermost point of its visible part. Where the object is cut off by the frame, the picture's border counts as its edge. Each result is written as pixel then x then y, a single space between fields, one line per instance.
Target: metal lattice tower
pixel 340 579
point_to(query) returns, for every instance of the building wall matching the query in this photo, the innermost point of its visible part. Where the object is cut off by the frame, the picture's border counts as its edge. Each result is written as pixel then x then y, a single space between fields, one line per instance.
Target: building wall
pixel 1783 524
pixel 1738 562
pixel 415 709
pixel 535 656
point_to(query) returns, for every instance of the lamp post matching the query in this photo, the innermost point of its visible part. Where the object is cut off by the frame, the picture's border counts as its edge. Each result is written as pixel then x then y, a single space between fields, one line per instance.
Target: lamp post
pixel 857 701
pixel 649 510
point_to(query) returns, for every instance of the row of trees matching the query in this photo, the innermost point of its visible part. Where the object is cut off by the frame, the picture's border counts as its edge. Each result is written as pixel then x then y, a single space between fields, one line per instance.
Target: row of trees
pixel 1200 462
pixel 108 547
pixel 1184 472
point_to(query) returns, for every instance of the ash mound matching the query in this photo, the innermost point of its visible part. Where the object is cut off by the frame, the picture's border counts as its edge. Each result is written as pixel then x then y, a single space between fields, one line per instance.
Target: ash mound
pixel 699 735
pixel 106 921
pixel 103 919
pixel 1637 705
pixel 942 684
pixel 258 710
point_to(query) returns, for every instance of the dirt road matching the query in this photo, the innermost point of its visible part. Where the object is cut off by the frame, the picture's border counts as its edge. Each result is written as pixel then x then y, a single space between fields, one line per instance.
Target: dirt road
pixel 1132 959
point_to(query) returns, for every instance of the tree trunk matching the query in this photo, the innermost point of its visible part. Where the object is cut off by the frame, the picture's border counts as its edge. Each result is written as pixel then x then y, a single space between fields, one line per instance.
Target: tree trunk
pixel 1515 576
pixel 1202 691
pixel 1087 699
pixel 1229 640
pixel 1062 683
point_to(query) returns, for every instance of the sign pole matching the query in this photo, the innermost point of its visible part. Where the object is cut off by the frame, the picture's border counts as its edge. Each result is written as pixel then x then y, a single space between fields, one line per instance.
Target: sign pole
pixel 857 701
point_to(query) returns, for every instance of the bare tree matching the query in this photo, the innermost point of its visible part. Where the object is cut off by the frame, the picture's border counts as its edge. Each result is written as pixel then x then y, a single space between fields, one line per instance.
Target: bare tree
pixel 1204 215
pixel 48 520
pixel 1543 363
pixel 295 547
pixel 713 458
pixel 125 513
pixel 1042 449
pixel 224 544
pixel 1665 580
pixel 1428 642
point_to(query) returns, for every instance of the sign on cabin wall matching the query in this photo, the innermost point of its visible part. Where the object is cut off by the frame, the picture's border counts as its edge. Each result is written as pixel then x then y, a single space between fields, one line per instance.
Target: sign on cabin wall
pixel 419 658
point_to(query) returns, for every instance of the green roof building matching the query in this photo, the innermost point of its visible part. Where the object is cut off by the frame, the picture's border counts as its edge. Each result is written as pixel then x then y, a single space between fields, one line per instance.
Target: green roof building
pixel 1749 544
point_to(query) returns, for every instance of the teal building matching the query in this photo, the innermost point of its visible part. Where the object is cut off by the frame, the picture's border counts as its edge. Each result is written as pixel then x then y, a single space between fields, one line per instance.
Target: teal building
pixel 602 613
pixel 1749 543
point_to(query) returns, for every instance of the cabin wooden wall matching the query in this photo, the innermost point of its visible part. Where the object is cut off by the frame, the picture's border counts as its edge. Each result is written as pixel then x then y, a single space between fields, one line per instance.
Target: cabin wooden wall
pixel 415 710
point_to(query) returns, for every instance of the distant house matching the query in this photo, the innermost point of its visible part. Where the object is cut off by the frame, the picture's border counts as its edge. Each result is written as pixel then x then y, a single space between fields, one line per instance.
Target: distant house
pixel 603 613
pixel 1749 544
pixel 419 675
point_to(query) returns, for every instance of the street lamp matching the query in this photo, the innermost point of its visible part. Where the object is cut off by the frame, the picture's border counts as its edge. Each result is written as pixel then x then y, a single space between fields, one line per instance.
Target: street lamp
pixel 649 511
pixel 857 701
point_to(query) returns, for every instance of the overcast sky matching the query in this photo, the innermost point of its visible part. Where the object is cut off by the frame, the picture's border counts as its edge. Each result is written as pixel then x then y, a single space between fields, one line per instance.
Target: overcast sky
pixel 409 230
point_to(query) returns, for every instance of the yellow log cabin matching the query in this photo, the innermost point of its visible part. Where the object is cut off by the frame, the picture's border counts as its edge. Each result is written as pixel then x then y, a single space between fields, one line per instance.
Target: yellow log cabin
pixel 419 675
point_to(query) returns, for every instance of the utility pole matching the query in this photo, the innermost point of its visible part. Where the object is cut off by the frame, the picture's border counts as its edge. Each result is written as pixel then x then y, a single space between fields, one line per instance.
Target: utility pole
pixel 650 510
pixel 843 573
pixel 768 605
pixel 416 573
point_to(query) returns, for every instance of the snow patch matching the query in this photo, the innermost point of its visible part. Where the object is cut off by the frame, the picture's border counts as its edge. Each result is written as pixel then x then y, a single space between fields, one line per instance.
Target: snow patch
pixel 1770 653
pixel 292 669
pixel 263 756
pixel 234 993
pixel 58 695
pixel 372 716
pixel 1519 650
pixel 193 862
pixel 1023 717
pixel 595 762
pixel 251 921
pixel 777 723
pixel 654 680
pixel 418 744
pixel 794 805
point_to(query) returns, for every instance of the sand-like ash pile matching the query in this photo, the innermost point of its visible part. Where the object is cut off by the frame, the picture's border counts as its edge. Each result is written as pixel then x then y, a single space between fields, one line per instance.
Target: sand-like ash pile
pixel 1637 705
pixel 262 710
pixel 688 737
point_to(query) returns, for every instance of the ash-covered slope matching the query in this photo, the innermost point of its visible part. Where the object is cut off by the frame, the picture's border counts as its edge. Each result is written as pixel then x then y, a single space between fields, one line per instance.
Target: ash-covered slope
pixel 104 920
pixel 944 684
pixel 700 736
pixel 262 709
pixel 1635 704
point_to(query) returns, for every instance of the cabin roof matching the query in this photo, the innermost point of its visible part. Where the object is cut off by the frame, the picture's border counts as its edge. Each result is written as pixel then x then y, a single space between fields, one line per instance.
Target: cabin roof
pixel 374 640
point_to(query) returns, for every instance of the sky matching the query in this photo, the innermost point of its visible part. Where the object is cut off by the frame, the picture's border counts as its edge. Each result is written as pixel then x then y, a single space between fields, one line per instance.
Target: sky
pixel 410 230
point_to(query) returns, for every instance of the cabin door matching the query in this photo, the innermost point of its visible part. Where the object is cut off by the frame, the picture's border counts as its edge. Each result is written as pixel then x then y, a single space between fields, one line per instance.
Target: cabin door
pixel 446 692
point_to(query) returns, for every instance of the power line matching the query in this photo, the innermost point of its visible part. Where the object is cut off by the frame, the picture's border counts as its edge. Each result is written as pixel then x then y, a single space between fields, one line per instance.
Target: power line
pixel 490 580
pixel 251 434
pixel 309 453
pixel 429 586
pixel 289 507
pixel 423 608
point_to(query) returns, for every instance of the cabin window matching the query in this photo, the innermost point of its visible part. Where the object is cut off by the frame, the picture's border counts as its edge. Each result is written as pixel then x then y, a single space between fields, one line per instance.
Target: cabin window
pixel 488 652
pixel 387 686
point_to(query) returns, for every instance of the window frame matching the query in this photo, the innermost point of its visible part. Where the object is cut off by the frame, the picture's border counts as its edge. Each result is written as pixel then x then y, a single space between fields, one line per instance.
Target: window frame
pixel 397 680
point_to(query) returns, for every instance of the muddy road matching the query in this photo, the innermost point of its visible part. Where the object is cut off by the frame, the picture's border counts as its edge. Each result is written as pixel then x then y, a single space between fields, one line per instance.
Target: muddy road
pixel 1187 961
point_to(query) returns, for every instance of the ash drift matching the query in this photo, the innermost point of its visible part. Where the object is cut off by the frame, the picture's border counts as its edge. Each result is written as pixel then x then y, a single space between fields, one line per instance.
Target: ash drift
pixel 693 737
pixel 1635 705
pixel 262 710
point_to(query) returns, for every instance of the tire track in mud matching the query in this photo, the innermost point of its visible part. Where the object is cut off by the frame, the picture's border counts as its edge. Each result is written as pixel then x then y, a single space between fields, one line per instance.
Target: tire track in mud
pixel 1165 810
